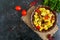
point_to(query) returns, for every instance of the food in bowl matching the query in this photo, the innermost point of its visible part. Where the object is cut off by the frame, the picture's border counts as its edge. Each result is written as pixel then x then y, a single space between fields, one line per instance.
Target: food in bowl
pixel 43 19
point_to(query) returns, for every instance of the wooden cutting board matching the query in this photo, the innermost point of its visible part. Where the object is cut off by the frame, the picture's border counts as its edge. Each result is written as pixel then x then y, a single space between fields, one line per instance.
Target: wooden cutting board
pixel 27 19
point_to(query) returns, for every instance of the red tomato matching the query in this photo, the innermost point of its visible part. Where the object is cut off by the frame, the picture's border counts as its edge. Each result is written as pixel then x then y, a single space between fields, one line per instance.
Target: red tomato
pixel 38 11
pixel 38 27
pixel 24 12
pixel 33 3
pixel 46 17
pixel 50 37
pixel 18 8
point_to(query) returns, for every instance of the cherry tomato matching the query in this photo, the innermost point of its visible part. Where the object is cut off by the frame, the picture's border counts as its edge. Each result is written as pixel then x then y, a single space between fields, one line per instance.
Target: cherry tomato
pixel 46 17
pixel 18 8
pixel 38 11
pixel 50 37
pixel 33 3
pixel 38 27
pixel 24 12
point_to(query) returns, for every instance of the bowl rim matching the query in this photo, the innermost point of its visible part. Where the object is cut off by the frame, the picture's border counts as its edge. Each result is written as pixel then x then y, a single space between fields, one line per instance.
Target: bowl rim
pixel 47 7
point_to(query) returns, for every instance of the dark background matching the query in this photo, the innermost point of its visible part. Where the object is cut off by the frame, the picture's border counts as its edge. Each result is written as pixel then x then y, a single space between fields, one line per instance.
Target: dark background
pixel 11 25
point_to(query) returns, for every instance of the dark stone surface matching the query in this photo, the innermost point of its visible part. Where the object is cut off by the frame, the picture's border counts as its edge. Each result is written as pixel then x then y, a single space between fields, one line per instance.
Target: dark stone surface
pixel 11 25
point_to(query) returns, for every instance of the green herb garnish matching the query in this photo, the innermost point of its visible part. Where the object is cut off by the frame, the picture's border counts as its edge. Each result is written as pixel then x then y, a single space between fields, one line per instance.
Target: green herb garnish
pixel 53 4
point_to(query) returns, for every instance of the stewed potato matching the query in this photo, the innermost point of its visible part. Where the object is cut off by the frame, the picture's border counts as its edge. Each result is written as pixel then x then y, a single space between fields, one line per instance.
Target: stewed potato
pixel 43 19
